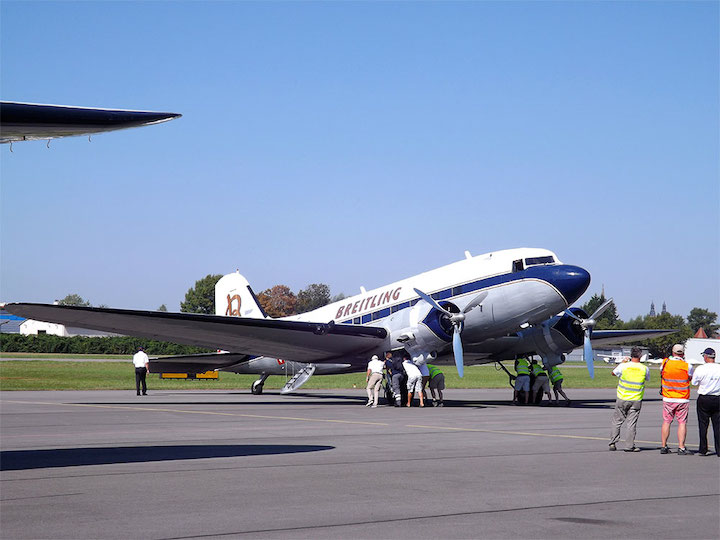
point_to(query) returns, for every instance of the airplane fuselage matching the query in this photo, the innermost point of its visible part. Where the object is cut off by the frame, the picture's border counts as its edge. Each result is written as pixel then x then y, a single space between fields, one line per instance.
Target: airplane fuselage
pixel 524 286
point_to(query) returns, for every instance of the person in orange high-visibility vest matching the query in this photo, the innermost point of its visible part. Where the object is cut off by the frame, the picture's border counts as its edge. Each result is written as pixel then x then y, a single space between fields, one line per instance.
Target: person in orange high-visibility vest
pixel 675 379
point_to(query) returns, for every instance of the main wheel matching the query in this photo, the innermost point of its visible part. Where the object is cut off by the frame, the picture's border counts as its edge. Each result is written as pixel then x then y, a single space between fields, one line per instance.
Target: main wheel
pixel 256 388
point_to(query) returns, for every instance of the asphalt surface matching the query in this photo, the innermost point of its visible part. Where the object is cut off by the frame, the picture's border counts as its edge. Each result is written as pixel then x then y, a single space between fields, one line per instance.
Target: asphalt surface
pixel 220 464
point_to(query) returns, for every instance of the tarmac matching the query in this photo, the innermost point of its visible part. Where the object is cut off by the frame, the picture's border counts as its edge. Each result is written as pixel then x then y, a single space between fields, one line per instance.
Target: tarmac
pixel 318 464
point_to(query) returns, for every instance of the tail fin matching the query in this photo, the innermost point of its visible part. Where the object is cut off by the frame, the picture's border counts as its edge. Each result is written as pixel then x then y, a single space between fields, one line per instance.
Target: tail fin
pixel 235 298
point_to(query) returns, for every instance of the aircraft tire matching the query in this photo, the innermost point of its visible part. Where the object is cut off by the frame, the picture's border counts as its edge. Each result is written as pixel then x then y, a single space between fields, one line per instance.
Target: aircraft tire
pixel 256 388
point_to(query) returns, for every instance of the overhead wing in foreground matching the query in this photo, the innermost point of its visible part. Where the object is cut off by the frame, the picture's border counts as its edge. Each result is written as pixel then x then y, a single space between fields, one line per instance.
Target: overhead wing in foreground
pixel 290 340
pixel 32 121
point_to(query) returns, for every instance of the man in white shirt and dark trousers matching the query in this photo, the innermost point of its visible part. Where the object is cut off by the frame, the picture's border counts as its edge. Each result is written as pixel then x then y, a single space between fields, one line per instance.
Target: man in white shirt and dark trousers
pixel 141 363
pixel 707 377
pixel 374 380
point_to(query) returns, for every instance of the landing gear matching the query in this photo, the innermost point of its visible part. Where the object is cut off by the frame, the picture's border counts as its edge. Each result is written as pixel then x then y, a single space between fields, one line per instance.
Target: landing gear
pixel 257 386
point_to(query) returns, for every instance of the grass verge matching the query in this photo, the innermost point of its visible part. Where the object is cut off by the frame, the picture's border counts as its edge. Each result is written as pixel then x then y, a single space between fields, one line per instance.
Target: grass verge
pixel 61 375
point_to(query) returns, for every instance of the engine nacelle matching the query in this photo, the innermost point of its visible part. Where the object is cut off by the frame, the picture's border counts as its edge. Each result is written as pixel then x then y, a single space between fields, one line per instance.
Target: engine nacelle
pixel 425 331
pixel 553 338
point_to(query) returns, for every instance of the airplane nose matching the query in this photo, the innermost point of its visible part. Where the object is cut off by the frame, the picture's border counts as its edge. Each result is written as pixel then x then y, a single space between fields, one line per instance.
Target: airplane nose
pixel 571 281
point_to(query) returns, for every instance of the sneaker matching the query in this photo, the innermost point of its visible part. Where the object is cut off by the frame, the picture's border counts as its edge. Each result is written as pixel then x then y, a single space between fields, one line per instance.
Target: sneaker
pixel 633 449
pixel 373 406
pixel 684 452
pixel 665 450
pixel 397 404
pixel 441 404
pixel 369 404
pixel 612 447
pixel 706 453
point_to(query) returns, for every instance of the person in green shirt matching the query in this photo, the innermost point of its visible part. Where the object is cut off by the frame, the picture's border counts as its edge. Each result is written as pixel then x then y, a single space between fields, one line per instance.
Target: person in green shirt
pixel 437 382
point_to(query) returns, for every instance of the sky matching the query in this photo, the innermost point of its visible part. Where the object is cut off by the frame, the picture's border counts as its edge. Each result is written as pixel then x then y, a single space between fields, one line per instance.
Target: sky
pixel 359 143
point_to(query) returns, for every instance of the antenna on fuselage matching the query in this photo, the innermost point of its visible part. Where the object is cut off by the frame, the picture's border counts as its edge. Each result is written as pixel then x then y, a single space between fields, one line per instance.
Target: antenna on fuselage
pixel 467 254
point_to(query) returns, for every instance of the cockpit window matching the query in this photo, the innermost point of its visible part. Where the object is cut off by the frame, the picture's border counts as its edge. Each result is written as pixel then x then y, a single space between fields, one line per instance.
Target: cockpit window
pixel 539 260
pixel 518 266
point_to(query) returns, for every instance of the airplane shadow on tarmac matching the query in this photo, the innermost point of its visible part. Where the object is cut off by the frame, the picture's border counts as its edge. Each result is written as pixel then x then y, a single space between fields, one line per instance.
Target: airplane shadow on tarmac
pixel 16 460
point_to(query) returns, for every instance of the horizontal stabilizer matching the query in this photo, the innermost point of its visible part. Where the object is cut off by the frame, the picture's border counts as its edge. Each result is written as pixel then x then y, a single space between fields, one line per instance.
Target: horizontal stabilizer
pixel 195 363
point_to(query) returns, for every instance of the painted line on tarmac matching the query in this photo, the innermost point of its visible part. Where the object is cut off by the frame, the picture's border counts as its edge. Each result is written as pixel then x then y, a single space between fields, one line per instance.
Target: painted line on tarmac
pixel 527 433
pixel 214 413
pixel 325 420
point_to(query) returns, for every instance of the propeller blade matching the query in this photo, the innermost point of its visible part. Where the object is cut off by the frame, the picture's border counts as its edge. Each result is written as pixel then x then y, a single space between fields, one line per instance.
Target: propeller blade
pixel 571 314
pixel 458 350
pixel 475 302
pixel 588 355
pixel 432 302
pixel 599 311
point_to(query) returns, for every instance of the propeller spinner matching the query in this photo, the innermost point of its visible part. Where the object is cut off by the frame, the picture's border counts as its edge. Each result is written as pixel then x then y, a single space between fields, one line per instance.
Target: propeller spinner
pixel 587 325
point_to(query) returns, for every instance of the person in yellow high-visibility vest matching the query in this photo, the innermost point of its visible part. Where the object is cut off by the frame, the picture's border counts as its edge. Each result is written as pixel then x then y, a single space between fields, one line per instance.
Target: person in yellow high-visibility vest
pixel 630 390
pixel 556 378
pixel 522 381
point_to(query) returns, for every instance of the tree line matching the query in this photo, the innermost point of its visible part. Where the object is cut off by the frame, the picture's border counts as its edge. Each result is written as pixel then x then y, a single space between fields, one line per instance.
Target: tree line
pixel 658 347
pixel 281 301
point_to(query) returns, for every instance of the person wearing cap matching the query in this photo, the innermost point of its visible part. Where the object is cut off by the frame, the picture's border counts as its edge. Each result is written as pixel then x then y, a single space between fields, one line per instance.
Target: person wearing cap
pixel 414 382
pixel 142 367
pixel 707 378
pixel 675 377
pixel 374 380
pixel 630 391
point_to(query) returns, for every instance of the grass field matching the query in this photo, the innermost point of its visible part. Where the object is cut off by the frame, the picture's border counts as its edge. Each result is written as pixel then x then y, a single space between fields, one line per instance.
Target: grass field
pixel 60 375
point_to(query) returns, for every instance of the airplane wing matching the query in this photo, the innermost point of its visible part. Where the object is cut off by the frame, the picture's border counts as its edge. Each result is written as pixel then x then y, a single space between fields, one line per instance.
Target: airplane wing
pixel 32 121
pixel 289 340
pixel 610 337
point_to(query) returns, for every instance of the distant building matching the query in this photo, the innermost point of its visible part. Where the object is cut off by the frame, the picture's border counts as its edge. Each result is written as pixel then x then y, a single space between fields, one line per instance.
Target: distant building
pixel 32 328
pixel 664 309
pixel 9 323
pixel 652 309
pixel 700 333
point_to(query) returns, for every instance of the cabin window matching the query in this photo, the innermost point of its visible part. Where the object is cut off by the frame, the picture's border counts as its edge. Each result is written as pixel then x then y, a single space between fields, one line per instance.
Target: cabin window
pixel 518 266
pixel 356 320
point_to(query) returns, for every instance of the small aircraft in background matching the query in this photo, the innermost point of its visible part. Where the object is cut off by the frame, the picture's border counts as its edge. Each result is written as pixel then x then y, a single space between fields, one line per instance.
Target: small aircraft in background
pixel 35 121
pixel 619 359
pixel 479 310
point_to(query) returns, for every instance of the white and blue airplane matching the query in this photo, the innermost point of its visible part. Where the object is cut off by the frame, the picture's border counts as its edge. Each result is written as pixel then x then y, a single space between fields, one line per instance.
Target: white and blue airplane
pixel 478 310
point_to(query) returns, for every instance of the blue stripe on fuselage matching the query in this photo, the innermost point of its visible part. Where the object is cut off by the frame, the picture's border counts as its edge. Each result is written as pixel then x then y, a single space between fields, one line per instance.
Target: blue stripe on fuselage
pixel 569 281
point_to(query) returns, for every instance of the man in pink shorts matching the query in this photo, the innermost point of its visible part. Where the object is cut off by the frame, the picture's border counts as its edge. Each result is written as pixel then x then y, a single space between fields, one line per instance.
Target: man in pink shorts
pixel 675 389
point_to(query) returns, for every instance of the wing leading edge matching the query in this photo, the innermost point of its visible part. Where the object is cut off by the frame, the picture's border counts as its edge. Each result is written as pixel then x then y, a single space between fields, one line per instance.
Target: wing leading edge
pixel 290 340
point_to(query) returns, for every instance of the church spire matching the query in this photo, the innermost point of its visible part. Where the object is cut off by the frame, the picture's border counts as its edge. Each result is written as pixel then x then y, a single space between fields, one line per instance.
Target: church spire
pixel 652 309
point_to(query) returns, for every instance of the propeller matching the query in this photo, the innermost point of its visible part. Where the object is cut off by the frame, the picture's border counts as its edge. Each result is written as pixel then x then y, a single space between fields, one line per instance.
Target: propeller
pixel 587 325
pixel 457 321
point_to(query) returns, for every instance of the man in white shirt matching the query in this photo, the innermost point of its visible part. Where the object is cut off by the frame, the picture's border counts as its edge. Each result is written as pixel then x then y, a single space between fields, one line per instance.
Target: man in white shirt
pixel 142 367
pixel 414 383
pixel 707 378
pixel 374 379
